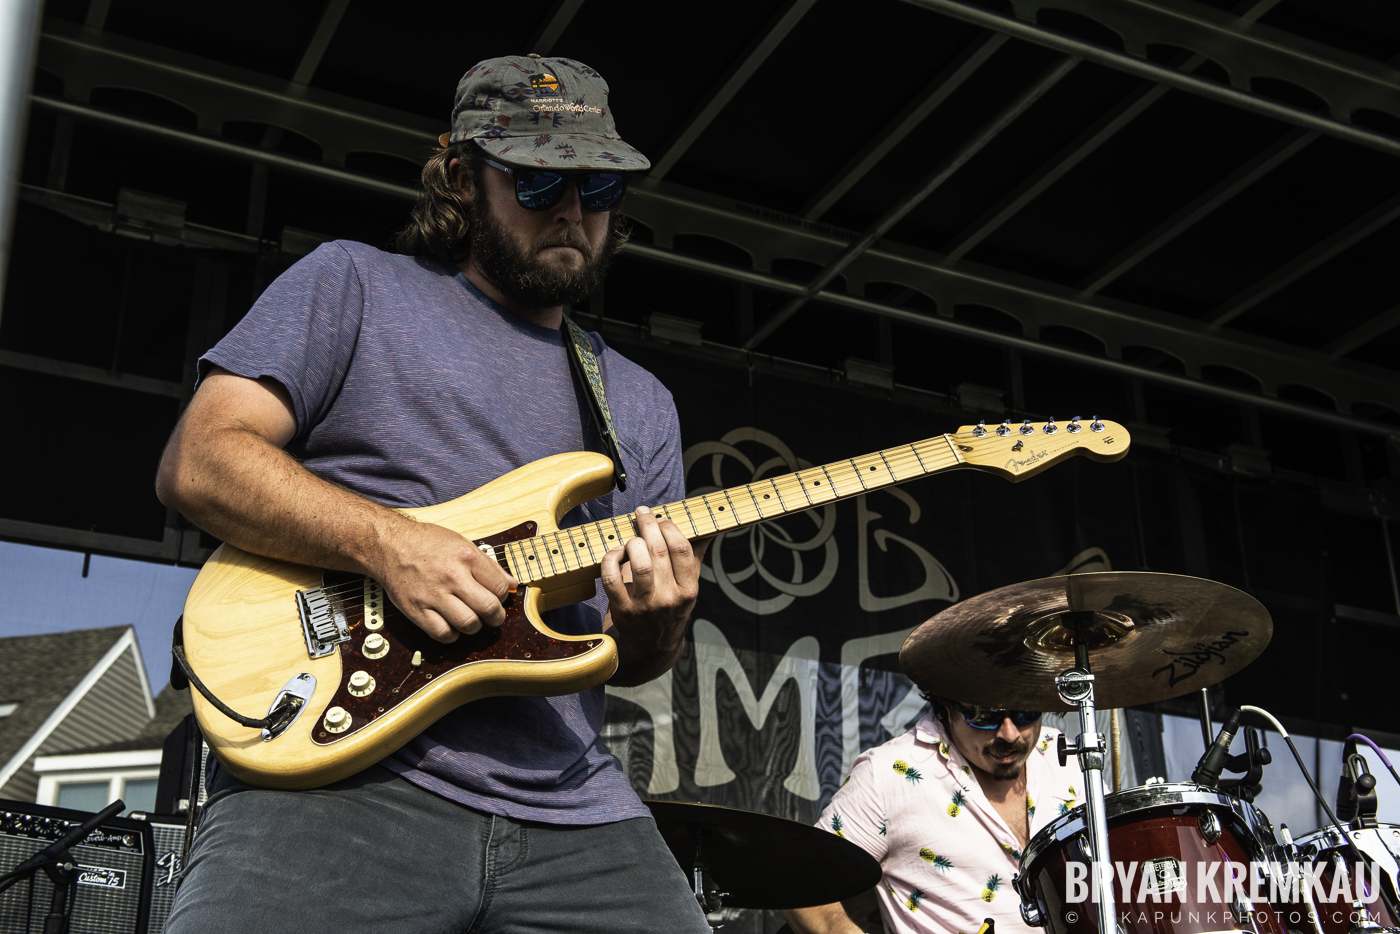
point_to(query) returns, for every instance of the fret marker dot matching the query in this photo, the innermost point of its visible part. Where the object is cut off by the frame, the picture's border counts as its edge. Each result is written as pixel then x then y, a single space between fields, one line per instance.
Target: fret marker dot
pixel 554 551
pixel 766 496
pixel 580 544
pixel 610 538
pixel 872 469
pixel 529 557
pixel 816 483
pixel 721 509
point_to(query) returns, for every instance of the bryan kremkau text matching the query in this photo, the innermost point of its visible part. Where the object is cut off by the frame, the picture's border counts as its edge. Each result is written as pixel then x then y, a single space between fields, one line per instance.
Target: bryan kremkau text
pixel 1165 880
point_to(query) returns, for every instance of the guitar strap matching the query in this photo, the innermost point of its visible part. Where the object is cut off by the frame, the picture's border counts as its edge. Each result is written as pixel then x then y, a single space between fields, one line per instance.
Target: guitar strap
pixel 585 367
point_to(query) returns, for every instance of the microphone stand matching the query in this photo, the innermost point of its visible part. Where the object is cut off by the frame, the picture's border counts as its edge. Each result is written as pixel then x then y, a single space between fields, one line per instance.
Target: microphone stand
pixel 58 864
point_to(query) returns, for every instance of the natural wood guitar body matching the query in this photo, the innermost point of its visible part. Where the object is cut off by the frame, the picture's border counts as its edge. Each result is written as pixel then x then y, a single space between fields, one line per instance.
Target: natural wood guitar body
pixel 253 627
pixel 244 639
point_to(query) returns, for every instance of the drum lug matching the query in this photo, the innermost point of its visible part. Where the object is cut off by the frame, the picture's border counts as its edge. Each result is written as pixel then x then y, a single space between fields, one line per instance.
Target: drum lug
pixel 1031 914
pixel 1209 825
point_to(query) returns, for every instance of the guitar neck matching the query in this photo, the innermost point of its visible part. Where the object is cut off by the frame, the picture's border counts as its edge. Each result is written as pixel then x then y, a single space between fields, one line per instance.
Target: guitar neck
pixel 578 551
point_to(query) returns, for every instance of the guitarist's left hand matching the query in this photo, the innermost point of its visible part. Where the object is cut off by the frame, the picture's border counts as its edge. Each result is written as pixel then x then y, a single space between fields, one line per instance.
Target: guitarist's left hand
pixel 651 584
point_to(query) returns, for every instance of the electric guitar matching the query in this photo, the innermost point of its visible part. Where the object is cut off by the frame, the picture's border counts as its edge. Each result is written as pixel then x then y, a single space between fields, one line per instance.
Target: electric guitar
pixel 350 679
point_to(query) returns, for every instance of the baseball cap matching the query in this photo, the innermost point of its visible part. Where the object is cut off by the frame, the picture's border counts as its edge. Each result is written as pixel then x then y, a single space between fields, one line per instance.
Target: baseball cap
pixel 532 111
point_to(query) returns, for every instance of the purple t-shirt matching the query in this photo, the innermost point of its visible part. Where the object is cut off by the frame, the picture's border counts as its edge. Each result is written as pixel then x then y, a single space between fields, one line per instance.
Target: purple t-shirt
pixel 412 388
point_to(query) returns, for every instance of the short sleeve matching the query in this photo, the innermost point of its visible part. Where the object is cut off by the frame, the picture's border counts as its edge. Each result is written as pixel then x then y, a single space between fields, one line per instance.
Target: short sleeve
pixel 857 812
pixel 301 332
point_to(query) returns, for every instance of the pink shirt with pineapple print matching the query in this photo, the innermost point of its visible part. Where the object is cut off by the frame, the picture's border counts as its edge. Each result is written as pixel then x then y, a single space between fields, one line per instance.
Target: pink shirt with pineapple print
pixel 948 857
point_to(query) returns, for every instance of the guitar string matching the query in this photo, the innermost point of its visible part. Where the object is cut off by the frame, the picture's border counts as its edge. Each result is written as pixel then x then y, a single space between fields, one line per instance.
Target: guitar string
pixel 895 463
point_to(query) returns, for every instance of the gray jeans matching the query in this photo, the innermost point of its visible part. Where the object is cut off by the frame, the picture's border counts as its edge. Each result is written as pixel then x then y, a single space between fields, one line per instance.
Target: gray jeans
pixel 375 853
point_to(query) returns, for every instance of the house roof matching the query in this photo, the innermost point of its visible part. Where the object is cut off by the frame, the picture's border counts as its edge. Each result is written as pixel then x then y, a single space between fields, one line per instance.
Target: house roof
pixel 38 672
pixel 172 706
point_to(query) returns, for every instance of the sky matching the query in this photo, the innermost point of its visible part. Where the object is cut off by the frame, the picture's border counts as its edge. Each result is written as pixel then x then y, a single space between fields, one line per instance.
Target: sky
pixel 43 590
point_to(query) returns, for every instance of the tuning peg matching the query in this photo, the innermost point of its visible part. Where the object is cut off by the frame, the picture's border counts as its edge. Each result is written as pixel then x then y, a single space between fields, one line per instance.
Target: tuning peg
pixel 1004 428
pixel 1074 427
pixel 1096 425
pixel 1026 428
pixel 1050 426
pixel 981 430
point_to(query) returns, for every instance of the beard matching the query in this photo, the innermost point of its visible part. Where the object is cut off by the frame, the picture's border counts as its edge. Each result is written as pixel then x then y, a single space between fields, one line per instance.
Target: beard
pixel 1004 771
pixel 523 276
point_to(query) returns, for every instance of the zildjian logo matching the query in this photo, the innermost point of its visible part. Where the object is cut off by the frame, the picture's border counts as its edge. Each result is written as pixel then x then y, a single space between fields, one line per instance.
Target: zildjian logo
pixel 1192 660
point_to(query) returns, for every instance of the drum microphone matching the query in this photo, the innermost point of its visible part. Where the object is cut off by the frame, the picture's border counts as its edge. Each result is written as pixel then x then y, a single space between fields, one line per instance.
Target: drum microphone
pixel 1208 769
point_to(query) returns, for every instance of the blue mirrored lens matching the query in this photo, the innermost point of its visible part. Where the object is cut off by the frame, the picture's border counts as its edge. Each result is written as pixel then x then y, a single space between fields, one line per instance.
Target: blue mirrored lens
pixel 538 190
pixel 599 191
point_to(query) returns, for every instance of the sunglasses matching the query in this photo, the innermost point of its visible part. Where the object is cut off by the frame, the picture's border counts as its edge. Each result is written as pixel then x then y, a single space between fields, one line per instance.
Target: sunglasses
pixel 538 190
pixel 985 718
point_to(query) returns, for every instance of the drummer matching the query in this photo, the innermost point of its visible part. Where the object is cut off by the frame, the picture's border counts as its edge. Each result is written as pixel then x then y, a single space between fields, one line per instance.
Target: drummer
pixel 947 808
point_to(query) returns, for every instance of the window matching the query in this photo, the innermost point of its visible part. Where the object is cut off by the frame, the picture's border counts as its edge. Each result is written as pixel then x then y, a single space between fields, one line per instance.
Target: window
pixel 84 796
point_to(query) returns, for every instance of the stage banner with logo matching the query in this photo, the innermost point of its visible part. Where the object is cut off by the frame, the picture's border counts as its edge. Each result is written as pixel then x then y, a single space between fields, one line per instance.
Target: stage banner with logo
pixel 792 667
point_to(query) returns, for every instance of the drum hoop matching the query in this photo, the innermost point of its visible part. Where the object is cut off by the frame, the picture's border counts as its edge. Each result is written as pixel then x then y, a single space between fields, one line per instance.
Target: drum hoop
pixel 1142 798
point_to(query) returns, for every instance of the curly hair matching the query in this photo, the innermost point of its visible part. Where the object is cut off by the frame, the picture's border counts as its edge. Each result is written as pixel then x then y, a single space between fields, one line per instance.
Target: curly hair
pixel 439 223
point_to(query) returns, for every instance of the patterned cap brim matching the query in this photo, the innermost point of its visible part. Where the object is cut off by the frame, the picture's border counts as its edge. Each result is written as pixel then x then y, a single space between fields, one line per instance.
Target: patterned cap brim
pixel 566 151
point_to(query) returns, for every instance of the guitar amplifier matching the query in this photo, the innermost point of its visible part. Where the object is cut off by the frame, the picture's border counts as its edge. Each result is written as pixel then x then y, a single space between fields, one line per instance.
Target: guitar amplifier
pixel 168 831
pixel 112 890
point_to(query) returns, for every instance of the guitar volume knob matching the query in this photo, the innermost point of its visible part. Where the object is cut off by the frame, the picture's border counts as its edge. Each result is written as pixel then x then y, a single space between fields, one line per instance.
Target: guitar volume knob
pixel 337 720
pixel 361 683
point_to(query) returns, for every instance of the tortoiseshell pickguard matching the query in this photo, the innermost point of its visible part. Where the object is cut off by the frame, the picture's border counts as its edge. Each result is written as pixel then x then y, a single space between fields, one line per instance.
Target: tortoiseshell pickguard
pixel 396 679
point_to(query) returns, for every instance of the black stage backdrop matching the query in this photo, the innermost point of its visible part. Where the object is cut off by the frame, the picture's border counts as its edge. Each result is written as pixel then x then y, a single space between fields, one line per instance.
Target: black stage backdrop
pixel 792 669
pixel 792 666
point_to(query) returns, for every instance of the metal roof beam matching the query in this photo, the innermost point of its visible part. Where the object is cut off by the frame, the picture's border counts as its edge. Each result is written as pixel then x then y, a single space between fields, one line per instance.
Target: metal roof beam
pixel 1304 263
pixel 1108 126
pixel 670 210
pixel 910 201
pixel 1198 208
pixel 542 42
pixel 1028 345
pixel 720 97
pixel 936 92
pixel 1363 334
pixel 1377 87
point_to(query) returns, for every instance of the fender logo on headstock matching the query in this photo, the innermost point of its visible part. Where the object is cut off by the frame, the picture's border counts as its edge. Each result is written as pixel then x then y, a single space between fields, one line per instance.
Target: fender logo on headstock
pixel 1014 464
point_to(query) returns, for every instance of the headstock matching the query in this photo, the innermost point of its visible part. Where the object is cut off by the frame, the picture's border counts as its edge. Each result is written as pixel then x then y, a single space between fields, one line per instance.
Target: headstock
pixel 1019 451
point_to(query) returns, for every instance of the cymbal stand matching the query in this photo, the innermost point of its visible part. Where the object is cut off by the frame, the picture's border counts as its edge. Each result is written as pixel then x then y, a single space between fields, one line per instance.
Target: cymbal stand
pixel 1076 687
pixel 709 897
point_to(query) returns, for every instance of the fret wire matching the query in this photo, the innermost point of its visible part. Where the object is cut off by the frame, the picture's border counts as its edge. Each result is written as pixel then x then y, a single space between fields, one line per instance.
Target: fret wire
pixel 748 488
pixel 778 493
pixel 618 530
pixel 552 568
pixel 888 468
pixel 690 519
pixel 918 458
pixel 560 538
pixel 706 502
pixel 858 476
pixel 535 550
pixel 733 513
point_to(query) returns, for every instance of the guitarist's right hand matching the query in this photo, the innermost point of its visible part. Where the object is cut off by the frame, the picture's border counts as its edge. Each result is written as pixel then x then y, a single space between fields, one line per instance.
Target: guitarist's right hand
pixel 227 470
pixel 442 582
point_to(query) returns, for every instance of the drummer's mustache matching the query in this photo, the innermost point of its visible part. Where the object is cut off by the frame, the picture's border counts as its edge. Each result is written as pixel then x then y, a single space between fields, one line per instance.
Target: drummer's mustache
pixel 1000 747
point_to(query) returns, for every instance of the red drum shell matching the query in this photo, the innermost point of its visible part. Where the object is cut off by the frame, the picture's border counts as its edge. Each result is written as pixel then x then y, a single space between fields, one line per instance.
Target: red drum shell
pixel 1155 822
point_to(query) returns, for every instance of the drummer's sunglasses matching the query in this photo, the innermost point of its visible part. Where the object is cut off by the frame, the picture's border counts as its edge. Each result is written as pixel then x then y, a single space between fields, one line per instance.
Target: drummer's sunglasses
pixel 984 718
pixel 539 190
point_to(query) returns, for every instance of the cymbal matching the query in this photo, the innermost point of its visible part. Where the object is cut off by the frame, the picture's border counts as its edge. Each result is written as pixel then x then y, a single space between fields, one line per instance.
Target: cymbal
pixel 762 861
pixel 1149 636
